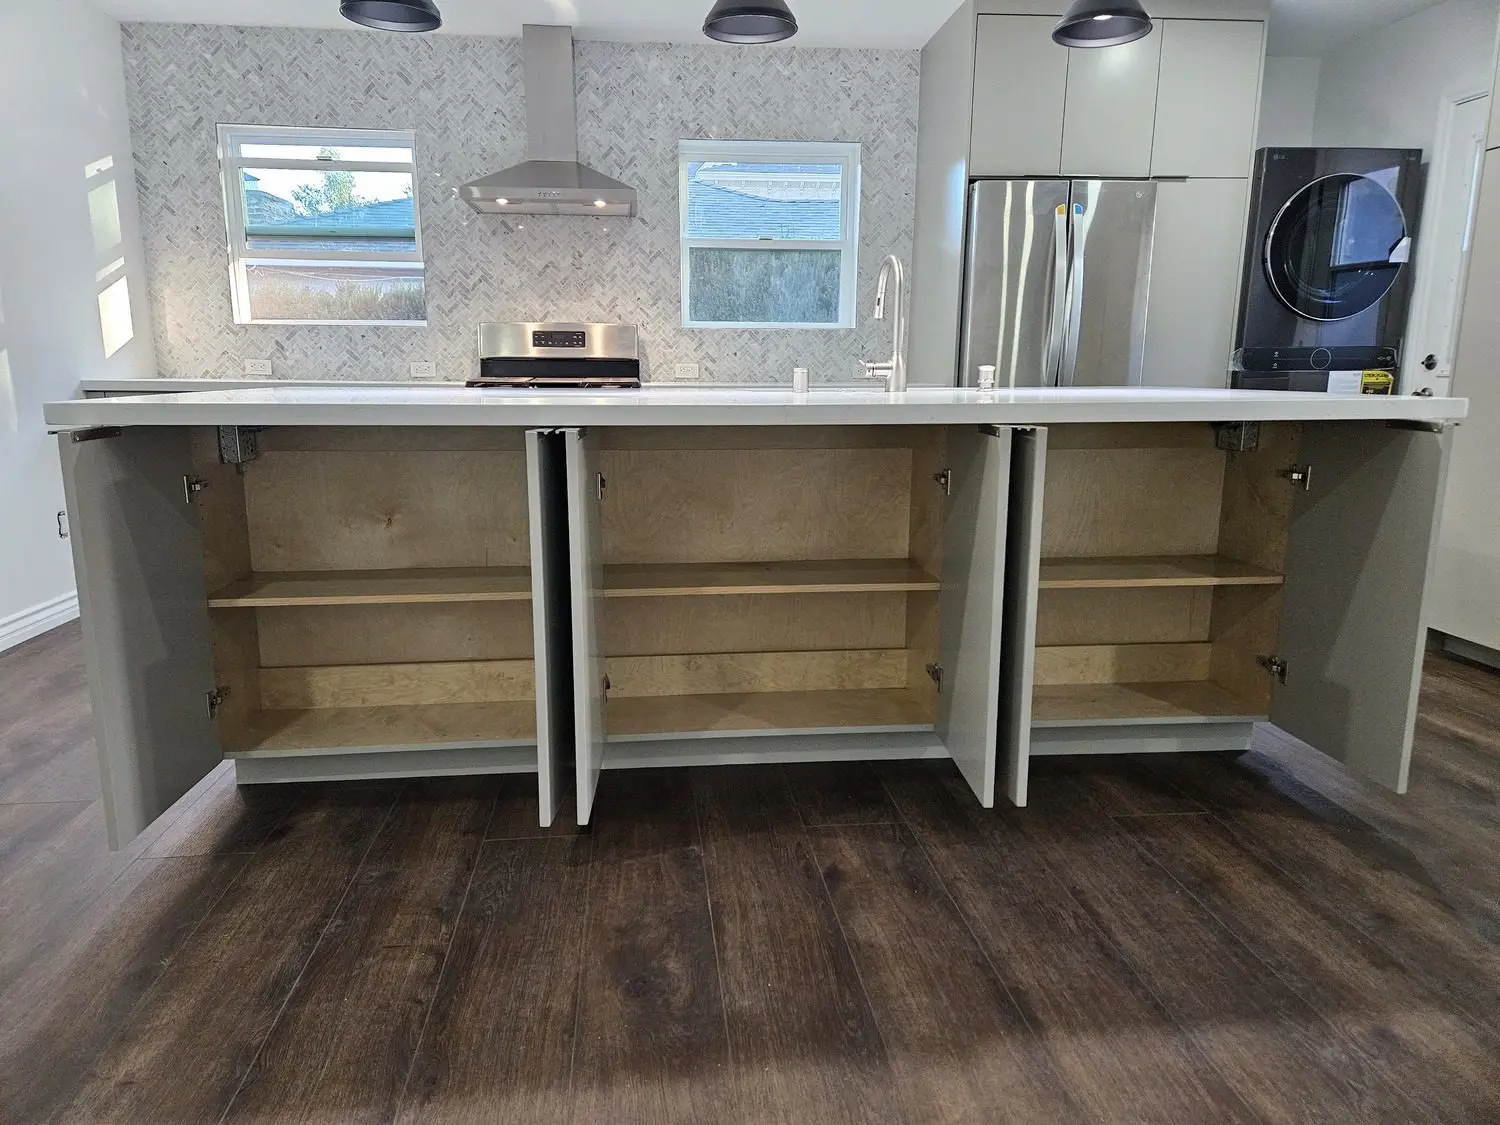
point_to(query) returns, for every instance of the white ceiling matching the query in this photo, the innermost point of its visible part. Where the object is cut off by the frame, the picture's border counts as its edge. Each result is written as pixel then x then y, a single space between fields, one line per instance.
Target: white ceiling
pixel 1311 27
pixel 839 23
pixel 1298 27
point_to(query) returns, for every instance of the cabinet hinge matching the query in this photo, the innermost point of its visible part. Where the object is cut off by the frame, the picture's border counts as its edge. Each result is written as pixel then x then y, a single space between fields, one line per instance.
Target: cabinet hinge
pixel 1275 666
pixel 600 484
pixel 935 671
pixel 238 444
pixel 191 486
pixel 216 700
pixel 1299 475
pixel 606 685
pixel 944 481
pixel 1237 437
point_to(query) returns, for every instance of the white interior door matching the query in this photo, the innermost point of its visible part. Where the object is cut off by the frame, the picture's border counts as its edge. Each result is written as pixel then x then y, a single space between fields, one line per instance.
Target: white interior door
pixel 969 607
pixel 1358 560
pixel 586 569
pixel 138 556
pixel 1447 231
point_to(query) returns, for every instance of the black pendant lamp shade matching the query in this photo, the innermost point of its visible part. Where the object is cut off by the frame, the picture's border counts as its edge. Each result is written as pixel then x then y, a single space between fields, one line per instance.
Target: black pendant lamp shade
pixel 393 15
pixel 1102 23
pixel 750 21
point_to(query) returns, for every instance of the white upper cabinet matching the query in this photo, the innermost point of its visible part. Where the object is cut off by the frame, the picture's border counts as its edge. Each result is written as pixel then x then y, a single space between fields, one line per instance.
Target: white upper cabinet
pixel 1110 109
pixel 1209 97
pixel 1020 81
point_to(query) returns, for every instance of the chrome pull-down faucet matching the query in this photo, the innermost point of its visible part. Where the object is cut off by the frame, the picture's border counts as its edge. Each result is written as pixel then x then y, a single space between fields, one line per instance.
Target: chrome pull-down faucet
pixel 894 369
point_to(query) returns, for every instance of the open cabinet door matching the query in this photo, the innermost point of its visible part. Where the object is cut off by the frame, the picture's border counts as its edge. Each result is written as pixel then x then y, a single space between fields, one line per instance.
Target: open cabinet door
pixel 969 617
pixel 1358 559
pixel 546 480
pixel 138 557
pixel 1023 574
pixel 587 572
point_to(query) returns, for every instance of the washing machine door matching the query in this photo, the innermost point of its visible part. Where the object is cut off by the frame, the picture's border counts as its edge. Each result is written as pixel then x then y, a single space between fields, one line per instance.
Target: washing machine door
pixel 1336 247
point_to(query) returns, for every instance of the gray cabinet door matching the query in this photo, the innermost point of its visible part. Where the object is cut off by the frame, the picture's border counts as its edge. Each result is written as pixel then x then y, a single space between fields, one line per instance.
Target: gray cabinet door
pixel 1195 280
pixel 1023 565
pixel 1208 99
pixel 1020 78
pixel 138 556
pixel 1111 109
pixel 546 482
pixel 969 607
pixel 587 571
pixel 1358 559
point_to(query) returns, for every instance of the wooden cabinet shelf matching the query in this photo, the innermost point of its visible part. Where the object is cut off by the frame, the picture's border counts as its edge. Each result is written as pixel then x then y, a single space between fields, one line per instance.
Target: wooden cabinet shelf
pixel 838 576
pixel 1153 570
pixel 338 730
pixel 377 587
pixel 783 712
pixel 1186 702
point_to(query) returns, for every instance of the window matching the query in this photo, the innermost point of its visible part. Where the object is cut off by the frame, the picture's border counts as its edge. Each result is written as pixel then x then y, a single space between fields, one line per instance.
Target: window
pixel 322 226
pixel 770 234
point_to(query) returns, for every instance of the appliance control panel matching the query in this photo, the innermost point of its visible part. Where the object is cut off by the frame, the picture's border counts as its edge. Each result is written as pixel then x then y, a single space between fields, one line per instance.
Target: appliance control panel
pixel 555 339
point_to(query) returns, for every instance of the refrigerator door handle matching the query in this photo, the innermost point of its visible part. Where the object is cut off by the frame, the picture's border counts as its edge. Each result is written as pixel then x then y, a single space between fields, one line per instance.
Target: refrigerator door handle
pixel 1074 314
pixel 1057 321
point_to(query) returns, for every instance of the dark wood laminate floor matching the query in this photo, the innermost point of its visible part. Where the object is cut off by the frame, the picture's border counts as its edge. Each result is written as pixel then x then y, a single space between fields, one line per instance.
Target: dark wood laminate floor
pixel 1195 940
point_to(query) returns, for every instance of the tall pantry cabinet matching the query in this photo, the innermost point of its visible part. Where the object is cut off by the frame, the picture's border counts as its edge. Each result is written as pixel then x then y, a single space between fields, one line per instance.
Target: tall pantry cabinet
pixel 1001 99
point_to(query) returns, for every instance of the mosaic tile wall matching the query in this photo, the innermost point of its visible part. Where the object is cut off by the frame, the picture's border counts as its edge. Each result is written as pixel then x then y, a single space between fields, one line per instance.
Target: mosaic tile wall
pixel 464 98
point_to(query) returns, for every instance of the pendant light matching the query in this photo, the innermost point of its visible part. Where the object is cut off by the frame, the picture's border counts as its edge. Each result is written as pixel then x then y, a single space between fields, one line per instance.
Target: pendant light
pixel 750 21
pixel 393 15
pixel 1102 23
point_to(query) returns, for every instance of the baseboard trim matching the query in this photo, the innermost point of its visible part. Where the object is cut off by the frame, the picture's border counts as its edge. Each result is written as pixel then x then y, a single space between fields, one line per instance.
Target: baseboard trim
pixel 1469 650
pixel 33 622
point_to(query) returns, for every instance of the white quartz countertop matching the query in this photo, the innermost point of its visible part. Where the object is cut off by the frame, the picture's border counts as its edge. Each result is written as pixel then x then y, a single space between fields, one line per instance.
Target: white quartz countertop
pixel 428 405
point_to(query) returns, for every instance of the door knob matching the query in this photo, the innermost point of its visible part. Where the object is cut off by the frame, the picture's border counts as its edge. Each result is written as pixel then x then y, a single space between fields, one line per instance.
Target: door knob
pixel 1430 362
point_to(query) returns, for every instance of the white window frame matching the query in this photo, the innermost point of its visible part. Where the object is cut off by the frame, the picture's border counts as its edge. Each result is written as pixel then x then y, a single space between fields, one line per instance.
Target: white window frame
pixel 232 164
pixel 843 153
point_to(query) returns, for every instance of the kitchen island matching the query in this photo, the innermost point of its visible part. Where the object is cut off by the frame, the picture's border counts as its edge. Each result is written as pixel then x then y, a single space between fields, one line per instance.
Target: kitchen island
pixel 334 582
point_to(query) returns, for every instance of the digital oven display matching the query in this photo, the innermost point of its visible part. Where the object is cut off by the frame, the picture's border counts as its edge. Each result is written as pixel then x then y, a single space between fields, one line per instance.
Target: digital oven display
pixel 559 340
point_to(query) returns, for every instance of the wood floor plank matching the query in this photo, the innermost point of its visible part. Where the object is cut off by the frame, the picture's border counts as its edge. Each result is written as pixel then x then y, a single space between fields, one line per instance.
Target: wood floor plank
pixel 1437 1059
pixel 182 1054
pixel 226 818
pixel 1122 1055
pixel 803 1040
pixel 959 1047
pixel 341 1049
pixel 651 1043
pixel 838 793
pixel 517 812
pixel 498 1043
pixel 1276 1051
pixel 79 992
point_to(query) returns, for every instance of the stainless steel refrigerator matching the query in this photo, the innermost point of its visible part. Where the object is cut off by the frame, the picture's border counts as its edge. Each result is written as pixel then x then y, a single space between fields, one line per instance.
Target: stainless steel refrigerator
pixel 1056 281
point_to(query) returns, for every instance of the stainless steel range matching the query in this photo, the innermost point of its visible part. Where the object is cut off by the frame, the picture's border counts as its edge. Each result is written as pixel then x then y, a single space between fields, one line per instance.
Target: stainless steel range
pixel 558 355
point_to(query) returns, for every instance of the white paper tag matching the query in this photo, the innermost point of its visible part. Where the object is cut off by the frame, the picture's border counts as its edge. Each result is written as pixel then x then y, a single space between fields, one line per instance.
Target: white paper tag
pixel 1345 382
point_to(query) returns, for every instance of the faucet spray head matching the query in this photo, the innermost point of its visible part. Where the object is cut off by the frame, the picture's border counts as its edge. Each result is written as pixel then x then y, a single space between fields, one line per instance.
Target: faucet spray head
pixel 880 294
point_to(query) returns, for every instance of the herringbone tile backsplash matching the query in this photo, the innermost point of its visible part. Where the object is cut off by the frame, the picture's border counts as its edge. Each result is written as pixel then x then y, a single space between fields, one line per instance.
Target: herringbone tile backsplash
pixel 463 96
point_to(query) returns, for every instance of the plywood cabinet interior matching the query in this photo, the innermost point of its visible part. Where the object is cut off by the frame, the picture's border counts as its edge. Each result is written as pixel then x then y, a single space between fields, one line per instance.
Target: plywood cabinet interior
pixel 371 592
pixel 739 584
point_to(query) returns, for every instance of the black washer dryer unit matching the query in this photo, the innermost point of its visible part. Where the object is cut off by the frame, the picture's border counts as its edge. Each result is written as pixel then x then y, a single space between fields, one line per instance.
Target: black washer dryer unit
pixel 1328 273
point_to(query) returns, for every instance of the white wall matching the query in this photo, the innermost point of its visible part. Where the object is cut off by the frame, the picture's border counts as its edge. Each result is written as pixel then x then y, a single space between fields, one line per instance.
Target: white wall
pixel 67 216
pixel 1383 90
pixel 1288 101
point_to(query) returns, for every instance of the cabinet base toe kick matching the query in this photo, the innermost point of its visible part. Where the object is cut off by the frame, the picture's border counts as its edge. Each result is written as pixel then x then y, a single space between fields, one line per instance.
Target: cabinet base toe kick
pixel 385 764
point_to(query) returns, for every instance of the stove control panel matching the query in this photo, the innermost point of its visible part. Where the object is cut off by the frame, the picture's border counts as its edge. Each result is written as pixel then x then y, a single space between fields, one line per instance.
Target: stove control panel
pixel 556 339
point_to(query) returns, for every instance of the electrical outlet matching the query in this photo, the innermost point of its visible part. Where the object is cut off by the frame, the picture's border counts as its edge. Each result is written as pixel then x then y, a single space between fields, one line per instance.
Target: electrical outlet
pixel 62 525
pixel 685 373
pixel 424 370
pixel 257 367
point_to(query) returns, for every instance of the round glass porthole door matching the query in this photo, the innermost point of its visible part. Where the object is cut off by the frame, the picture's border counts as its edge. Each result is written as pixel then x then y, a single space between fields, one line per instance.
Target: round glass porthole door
pixel 1337 247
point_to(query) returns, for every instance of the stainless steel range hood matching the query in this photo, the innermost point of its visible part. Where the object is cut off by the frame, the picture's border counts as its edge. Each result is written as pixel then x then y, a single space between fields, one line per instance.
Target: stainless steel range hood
pixel 551 182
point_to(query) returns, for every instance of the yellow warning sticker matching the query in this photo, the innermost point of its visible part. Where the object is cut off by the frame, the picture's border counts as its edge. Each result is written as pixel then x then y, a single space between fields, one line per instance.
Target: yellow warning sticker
pixel 1377 383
